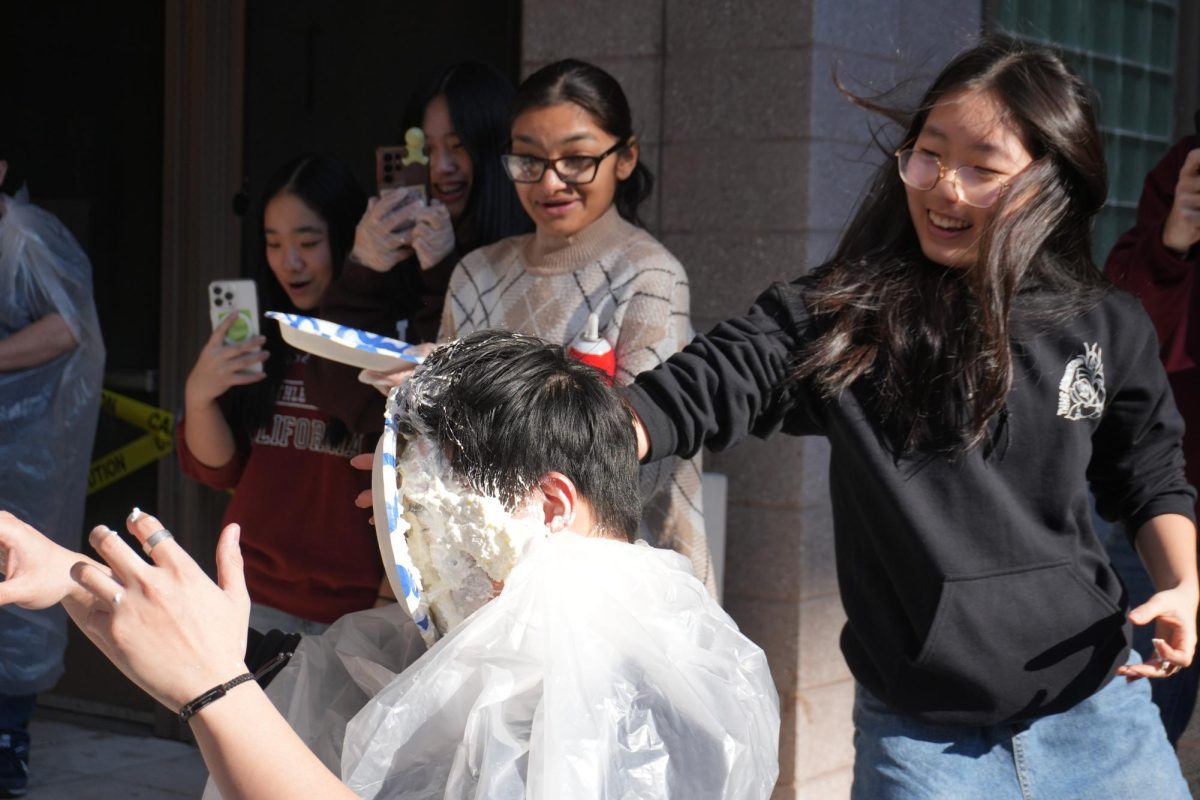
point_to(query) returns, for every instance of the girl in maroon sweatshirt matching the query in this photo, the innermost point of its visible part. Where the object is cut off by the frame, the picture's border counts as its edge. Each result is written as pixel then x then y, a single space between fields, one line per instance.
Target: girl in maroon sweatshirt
pixel 310 554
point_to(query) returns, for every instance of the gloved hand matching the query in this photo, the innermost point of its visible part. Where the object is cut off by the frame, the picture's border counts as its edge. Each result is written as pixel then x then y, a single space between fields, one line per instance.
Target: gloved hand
pixel 433 237
pixel 383 235
pixel 384 381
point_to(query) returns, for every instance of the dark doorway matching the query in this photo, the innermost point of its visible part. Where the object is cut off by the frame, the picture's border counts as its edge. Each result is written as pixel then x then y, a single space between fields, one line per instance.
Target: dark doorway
pixel 336 77
pixel 87 97
pixel 83 99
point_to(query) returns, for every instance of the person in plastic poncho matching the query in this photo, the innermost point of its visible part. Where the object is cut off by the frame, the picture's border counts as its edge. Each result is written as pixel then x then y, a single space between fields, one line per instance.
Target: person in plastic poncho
pixel 603 669
pixel 51 365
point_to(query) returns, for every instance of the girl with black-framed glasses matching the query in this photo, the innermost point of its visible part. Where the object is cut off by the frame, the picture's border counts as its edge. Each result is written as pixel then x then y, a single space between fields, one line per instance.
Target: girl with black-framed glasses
pixel 573 158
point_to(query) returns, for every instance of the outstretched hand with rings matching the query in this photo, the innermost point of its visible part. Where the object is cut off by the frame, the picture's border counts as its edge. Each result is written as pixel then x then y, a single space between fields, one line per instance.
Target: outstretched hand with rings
pixel 165 624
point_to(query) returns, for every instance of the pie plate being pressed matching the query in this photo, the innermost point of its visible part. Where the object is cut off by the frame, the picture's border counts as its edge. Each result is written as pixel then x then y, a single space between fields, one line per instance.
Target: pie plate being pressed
pixel 344 344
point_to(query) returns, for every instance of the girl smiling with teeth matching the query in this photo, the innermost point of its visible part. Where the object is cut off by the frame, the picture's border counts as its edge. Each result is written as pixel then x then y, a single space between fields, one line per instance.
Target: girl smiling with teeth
pixel 956 170
pixel 976 379
pixel 395 278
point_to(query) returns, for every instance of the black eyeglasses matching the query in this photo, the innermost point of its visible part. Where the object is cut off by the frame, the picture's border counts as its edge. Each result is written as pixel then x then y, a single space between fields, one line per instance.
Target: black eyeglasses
pixel 574 170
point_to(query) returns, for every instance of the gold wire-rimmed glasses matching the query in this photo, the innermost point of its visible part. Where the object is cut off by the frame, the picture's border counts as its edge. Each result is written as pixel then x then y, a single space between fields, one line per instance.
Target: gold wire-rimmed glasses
pixel 976 187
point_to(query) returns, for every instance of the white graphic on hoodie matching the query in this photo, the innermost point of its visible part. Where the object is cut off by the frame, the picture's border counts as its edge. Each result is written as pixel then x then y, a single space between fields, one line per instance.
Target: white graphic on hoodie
pixel 1081 390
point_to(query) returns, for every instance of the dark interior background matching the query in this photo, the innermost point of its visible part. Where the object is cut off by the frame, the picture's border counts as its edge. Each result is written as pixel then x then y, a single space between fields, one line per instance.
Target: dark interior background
pixel 336 77
pixel 84 105
pixel 83 94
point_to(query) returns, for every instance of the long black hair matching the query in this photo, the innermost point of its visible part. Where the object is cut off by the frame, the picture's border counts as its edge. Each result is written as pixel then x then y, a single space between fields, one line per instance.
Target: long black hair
pixel 599 94
pixel 934 341
pixel 478 97
pixel 329 189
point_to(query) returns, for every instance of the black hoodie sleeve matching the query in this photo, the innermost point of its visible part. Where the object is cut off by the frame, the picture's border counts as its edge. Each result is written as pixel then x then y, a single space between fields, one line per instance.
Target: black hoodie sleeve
pixel 729 383
pixel 1136 469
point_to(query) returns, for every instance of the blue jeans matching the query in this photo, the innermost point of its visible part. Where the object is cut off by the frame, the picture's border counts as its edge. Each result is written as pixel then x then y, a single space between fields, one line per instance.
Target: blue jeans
pixel 1111 745
pixel 266 618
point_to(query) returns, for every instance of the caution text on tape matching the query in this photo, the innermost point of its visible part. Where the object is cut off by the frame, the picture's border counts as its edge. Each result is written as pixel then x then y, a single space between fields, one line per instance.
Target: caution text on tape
pixel 146 449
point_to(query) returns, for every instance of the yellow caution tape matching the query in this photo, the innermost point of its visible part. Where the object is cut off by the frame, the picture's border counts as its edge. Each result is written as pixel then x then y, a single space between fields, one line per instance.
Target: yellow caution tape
pixel 157 442
pixel 136 413
pixel 145 449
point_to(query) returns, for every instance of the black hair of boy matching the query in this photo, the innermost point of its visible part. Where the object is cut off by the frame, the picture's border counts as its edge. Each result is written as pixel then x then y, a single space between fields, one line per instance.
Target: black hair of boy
pixel 508 409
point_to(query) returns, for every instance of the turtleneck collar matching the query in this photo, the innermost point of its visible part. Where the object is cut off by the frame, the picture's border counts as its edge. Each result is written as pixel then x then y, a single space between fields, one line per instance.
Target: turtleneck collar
pixel 548 254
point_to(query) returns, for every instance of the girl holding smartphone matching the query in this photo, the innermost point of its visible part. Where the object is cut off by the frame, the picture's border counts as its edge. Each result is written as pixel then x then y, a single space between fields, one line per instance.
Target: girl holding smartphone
pixel 310 555
pixel 394 281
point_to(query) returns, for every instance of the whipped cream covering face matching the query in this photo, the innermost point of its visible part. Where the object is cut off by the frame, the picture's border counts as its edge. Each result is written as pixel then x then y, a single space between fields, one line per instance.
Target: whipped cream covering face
pixel 463 544
pixel 463 526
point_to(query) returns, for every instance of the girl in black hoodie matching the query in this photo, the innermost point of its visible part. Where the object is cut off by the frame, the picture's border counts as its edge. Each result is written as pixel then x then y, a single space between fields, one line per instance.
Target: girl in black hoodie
pixel 976 377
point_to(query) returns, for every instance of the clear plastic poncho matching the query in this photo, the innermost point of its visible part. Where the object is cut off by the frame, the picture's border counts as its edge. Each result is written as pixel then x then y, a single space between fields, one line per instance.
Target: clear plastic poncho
pixel 602 670
pixel 47 419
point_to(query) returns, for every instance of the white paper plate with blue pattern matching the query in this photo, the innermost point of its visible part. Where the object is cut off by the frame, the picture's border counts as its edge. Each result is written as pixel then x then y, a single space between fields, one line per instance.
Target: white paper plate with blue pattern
pixel 344 344
pixel 402 575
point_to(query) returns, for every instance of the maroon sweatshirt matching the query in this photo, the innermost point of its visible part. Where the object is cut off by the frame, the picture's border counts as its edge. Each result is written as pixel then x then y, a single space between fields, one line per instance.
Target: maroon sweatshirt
pixel 1167 286
pixel 308 550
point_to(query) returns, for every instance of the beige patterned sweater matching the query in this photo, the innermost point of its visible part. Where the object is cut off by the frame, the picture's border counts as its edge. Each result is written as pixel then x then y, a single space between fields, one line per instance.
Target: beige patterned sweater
pixel 546 286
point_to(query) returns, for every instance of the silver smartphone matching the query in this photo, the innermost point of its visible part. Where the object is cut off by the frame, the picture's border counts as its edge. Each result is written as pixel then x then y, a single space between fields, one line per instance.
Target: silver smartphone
pixel 239 297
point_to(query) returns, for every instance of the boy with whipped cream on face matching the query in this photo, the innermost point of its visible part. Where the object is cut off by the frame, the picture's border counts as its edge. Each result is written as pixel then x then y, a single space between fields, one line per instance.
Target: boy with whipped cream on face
pixel 601 668
pixel 476 493
pixel 564 660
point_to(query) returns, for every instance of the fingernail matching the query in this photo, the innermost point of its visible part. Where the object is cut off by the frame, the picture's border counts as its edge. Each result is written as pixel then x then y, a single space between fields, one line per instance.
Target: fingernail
pixel 135 515
pixel 100 532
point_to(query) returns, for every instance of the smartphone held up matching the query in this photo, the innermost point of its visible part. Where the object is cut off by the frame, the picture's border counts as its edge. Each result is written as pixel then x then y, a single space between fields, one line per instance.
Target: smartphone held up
pixel 238 297
pixel 403 166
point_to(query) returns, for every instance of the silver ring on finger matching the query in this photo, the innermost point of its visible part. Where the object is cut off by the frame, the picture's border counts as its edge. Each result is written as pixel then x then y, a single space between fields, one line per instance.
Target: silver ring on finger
pixel 155 539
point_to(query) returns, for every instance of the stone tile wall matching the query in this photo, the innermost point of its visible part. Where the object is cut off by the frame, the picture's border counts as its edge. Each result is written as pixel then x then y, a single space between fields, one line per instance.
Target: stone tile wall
pixel 760 161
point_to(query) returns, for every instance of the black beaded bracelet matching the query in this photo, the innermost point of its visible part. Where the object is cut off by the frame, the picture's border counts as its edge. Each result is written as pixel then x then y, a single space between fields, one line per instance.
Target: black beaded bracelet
pixel 212 695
